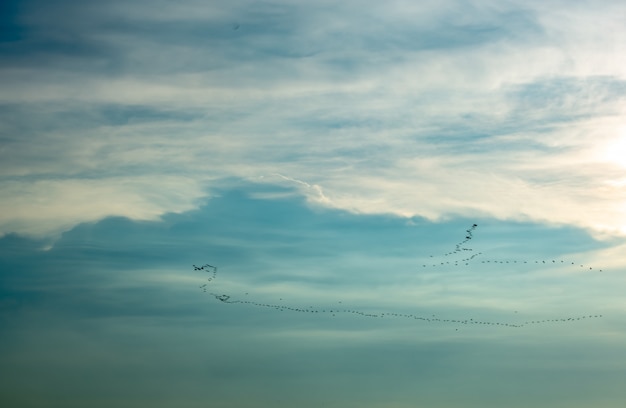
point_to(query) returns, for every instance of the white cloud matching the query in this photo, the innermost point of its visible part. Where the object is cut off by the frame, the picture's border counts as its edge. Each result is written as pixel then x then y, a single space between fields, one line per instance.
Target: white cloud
pixel 491 109
pixel 51 206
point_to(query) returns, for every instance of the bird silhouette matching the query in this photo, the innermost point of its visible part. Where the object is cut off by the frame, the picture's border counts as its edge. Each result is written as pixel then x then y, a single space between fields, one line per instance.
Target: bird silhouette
pixel 459 247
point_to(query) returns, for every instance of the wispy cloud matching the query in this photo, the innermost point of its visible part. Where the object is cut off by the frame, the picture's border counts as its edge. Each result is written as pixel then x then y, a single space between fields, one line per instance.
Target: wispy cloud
pixel 431 110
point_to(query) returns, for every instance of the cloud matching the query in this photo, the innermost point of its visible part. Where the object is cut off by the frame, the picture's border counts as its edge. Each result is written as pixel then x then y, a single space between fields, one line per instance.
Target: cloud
pixel 403 109
pixel 45 207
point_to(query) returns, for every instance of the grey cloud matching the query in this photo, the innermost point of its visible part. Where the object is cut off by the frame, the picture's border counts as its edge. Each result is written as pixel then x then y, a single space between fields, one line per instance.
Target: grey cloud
pixel 74 36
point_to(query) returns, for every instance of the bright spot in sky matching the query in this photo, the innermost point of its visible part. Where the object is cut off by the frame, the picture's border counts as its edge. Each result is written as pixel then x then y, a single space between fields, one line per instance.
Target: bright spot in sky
pixel 615 151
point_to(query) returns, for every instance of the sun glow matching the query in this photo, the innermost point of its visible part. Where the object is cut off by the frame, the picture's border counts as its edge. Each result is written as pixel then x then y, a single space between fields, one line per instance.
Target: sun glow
pixel 615 151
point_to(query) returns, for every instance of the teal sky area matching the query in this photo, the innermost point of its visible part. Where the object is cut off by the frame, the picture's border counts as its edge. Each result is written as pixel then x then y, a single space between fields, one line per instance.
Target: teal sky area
pixel 279 204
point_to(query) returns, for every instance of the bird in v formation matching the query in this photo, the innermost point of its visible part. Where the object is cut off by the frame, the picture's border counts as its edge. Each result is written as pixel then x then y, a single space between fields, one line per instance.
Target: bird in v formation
pixel 459 248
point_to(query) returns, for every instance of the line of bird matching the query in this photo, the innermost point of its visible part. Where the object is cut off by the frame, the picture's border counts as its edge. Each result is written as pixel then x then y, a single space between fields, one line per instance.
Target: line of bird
pixel 459 247
pixel 433 318
pixel 462 262
pixel 469 234
pixel 212 270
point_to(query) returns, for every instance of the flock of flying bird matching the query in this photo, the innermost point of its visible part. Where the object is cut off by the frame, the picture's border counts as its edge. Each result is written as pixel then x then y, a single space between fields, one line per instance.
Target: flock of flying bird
pixel 459 248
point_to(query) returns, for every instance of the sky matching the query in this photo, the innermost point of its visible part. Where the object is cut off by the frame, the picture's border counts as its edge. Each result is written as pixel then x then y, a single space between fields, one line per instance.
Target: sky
pixel 287 203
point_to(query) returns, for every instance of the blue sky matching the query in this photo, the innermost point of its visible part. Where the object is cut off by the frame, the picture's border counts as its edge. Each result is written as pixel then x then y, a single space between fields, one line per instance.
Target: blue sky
pixel 331 160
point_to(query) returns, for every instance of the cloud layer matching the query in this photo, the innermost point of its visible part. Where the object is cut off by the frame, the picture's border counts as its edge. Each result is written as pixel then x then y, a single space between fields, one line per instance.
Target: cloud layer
pixel 490 109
